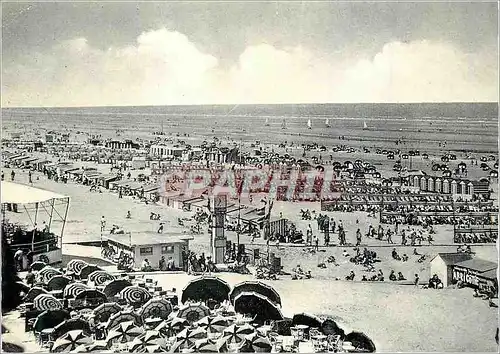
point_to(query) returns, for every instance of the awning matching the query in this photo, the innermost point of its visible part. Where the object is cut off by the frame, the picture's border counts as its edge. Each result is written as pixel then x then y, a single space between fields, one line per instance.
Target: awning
pixel 22 194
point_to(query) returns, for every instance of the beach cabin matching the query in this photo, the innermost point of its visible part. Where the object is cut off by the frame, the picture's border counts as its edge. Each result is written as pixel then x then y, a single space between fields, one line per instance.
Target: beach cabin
pixel 105 180
pixel 442 265
pixel 138 162
pixel 150 245
pixel 477 273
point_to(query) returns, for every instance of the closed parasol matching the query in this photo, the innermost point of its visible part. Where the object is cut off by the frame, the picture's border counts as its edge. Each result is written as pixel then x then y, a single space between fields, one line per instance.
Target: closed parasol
pixel 123 316
pixel 206 288
pixel 47 273
pixel 71 325
pixel 58 282
pixel 87 270
pixel 257 287
pixel 70 341
pixel 214 324
pixel 50 319
pixel 187 337
pixel 255 343
pixel 135 295
pixel 46 302
pixel 149 338
pixel 172 326
pixel 360 341
pixel 99 277
pixel 236 333
pixel 257 306
pixel 38 265
pixel 104 311
pixel 193 312
pixel 75 266
pixel 72 290
pixel 34 292
pixel 123 333
pixel 114 287
pixel 156 308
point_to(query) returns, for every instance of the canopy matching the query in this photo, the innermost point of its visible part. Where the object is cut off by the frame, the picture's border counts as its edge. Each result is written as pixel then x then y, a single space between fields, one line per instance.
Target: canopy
pixel 258 306
pixel 206 288
pixel 257 287
pixel 21 194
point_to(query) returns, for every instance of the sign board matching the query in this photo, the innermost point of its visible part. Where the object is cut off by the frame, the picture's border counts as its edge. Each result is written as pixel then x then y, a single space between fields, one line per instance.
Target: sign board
pixel 218 236
pixel 220 202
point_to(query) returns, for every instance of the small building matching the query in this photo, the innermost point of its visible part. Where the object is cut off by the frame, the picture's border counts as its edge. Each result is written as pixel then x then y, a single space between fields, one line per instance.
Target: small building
pixel 442 265
pixel 150 245
pixel 477 273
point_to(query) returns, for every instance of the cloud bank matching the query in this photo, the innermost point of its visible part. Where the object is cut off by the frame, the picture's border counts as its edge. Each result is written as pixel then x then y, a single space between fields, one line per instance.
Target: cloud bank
pixel 164 68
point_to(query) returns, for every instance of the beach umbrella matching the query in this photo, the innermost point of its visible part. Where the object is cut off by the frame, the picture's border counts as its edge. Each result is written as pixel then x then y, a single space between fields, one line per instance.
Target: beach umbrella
pixel 124 332
pixel 257 287
pixel 187 337
pixel 104 311
pixel 156 308
pixel 172 326
pixel 100 277
pixel 306 319
pixel 38 265
pixel 87 270
pixel 46 302
pixel 258 306
pixel 72 290
pixel 255 343
pixel 193 312
pixel 58 282
pixel 206 288
pixel 75 266
pixel 47 273
pixel 50 319
pixel 330 327
pixel 70 341
pixel 91 294
pixel 96 346
pixel 115 286
pixel 206 345
pixel 135 294
pixel 213 324
pixel 360 341
pixel 34 292
pixel 71 325
pixel 149 338
pixel 123 316
pixel 236 333
pixel 151 349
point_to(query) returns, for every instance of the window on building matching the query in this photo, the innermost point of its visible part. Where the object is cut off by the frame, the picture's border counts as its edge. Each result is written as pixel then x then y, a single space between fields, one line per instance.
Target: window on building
pixel 146 251
pixel 167 249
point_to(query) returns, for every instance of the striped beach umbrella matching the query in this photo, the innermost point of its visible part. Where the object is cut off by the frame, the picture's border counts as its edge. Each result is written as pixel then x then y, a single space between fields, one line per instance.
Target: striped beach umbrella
pixel 58 282
pixel 149 338
pixel 213 324
pixel 115 286
pixel 70 341
pixel 236 333
pixel 75 266
pixel 135 294
pixel 46 302
pixel 123 316
pixel 96 346
pixel 72 290
pixel 124 332
pixel 193 312
pixel 172 326
pixel 34 292
pixel 99 277
pixel 256 343
pixel 156 308
pixel 186 338
pixel 47 273
pixel 206 345
pixel 104 311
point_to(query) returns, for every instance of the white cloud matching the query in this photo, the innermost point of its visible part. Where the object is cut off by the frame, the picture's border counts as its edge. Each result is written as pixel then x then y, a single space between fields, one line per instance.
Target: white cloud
pixel 165 67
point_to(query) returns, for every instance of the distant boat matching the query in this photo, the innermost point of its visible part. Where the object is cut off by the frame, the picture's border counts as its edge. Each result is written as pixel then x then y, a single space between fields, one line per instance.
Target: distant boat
pixel 309 124
pixel 283 124
pixel 365 127
pixel 327 122
pixel 267 122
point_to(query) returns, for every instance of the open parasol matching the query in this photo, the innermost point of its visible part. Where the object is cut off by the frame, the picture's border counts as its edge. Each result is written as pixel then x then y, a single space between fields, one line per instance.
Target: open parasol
pixel 306 319
pixel 172 326
pixel 34 292
pixel 71 325
pixel 114 287
pixel 96 346
pixel 123 316
pixel 70 341
pixel 50 319
pixel 257 306
pixel 135 295
pixel 206 288
pixel 236 333
pixel 148 339
pixel 206 345
pixel 193 312
pixel 38 265
pixel 360 341
pixel 99 277
pixel 58 282
pixel 91 295
pixel 47 273
pixel 255 343
pixel 46 302
pixel 213 324
pixel 257 287
pixel 104 311
pixel 75 266
pixel 87 270
pixel 187 337
pixel 156 308
pixel 72 290
pixel 124 332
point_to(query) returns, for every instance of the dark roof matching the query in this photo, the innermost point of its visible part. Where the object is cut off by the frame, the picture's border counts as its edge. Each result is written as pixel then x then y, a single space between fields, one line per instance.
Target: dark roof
pixel 453 258
pixel 478 264
pixel 490 274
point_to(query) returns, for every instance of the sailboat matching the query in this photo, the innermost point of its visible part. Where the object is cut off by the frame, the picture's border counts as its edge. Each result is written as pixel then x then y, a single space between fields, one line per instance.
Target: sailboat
pixel 283 124
pixel 267 122
pixel 365 127
pixel 327 122
pixel 309 124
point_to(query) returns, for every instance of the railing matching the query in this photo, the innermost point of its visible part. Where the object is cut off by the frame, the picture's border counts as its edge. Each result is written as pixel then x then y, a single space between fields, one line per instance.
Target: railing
pixel 37 247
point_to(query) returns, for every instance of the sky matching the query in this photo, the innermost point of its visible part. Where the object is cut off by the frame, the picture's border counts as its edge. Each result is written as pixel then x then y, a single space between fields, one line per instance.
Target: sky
pixel 157 53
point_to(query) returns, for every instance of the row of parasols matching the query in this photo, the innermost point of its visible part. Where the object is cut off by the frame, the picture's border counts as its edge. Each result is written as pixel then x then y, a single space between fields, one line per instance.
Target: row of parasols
pixel 136 316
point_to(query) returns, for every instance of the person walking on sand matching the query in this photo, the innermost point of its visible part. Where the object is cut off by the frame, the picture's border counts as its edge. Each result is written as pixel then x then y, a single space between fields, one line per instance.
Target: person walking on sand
pixel 416 280
pixel 12 175
pixel 358 237
pixel 389 236
pixel 160 229
pixel 30 178
pixel 103 223
pixel 316 243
